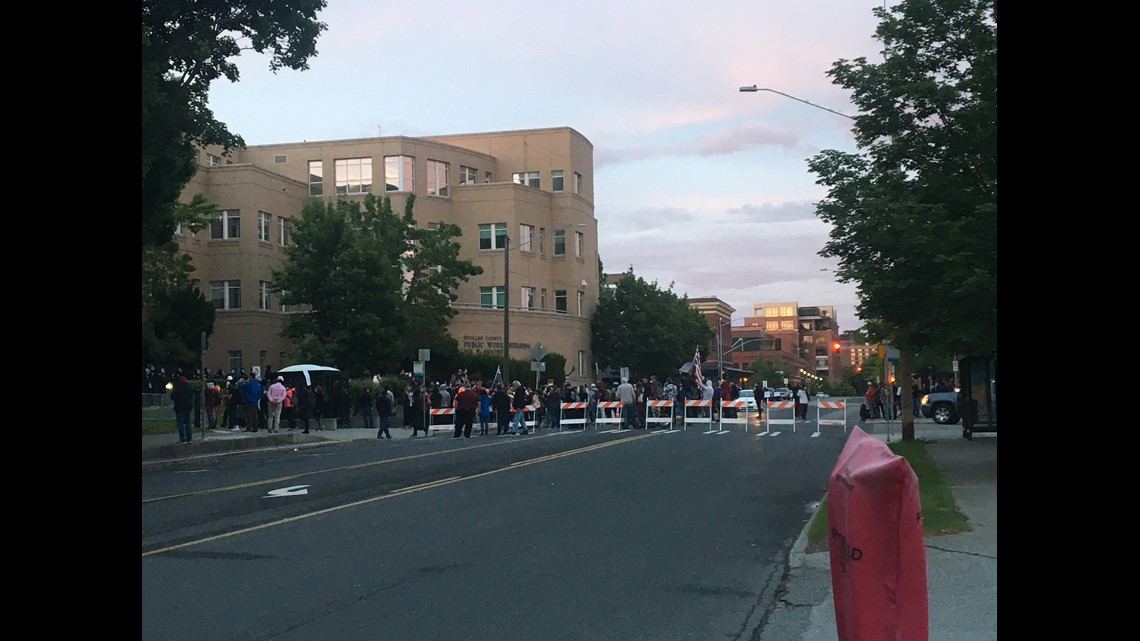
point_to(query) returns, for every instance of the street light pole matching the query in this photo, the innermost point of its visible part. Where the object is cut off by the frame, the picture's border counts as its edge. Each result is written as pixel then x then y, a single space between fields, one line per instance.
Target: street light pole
pixel 754 89
pixel 506 311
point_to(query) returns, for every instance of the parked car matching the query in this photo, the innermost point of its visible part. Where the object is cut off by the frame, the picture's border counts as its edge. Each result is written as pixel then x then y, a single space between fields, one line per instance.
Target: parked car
pixel 749 397
pixel 782 394
pixel 941 406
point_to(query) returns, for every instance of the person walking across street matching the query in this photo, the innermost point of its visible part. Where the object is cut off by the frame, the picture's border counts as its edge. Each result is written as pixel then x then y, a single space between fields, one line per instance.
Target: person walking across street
pixel 275 395
pixel 183 398
pixel 466 404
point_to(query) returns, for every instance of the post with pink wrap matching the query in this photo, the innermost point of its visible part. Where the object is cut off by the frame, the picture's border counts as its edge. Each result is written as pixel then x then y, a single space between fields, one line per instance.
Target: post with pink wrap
pixel 878 558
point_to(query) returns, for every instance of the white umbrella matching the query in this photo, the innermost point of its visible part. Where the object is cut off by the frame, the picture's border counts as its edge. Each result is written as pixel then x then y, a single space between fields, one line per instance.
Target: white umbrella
pixel 305 369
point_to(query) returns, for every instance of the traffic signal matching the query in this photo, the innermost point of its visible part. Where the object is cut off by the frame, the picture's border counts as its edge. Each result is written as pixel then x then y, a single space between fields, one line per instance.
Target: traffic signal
pixel 836 346
pixel 858 368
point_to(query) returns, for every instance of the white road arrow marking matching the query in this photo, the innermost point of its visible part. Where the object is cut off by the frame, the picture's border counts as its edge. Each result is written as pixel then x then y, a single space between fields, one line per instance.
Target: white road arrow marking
pixel 295 490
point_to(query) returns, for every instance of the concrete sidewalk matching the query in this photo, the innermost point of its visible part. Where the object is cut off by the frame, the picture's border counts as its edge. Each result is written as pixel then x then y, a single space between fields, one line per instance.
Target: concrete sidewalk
pixel 961 569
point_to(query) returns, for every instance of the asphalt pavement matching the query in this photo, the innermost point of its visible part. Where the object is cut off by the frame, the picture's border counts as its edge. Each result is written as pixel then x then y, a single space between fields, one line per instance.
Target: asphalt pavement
pixel 961 569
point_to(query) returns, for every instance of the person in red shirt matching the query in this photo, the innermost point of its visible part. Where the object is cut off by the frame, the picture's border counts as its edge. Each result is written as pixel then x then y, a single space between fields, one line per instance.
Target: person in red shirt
pixel 466 404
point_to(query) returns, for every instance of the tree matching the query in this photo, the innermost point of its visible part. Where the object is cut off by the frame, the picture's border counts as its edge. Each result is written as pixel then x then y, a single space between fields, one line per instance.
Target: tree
pixel 185 47
pixel 650 330
pixel 378 287
pixel 914 216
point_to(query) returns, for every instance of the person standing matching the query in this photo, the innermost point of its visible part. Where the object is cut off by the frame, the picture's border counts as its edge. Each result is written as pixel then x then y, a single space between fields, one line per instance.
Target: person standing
pixel 501 403
pixel 416 399
pixel 869 400
pixel 466 404
pixel 384 412
pixel 289 410
pixel 367 405
pixel 320 402
pixel 802 400
pixel 183 398
pixel 303 397
pixel 518 404
pixel 553 405
pixel 628 399
pixel 484 408
pixel 275 396
pixel 250 399
pixel 212 399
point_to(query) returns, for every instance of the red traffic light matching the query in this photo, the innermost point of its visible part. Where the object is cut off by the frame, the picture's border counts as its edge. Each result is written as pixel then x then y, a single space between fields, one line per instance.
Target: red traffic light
pixel 835 346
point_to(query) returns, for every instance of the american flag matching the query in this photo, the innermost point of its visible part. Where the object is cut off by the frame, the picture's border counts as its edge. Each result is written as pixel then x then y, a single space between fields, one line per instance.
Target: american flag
pixel 697 367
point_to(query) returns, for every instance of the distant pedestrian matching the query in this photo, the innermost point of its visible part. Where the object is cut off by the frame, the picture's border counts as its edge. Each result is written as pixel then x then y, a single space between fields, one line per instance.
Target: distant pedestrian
pixel 484 407
pixel 466 404
pixel 384 413
pixel 183 398
pixel 212 399
pixel 518 404
pixel 304 398
pixel 802 400
pixel 250 399
pixel 627 396
pixel 367 406
pixel 501 403
pixel 320 402
pixel 275 396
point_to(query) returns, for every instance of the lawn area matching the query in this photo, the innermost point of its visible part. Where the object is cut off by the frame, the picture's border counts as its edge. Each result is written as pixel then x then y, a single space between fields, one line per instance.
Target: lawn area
pixel 940 514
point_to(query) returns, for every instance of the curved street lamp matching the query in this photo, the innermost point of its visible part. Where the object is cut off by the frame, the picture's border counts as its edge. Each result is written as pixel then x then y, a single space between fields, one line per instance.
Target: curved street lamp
pixel 754 89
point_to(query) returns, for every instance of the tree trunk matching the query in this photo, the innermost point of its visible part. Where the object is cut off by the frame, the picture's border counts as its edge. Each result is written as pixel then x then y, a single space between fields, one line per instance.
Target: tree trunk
pixel 906 407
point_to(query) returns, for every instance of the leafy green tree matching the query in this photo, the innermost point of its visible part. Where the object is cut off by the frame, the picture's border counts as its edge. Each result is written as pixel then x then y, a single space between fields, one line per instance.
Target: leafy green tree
pixel 378 287
pixel 914 215
pixel 185 47
pixel 768 368
pixel 174 313
pixel 650 330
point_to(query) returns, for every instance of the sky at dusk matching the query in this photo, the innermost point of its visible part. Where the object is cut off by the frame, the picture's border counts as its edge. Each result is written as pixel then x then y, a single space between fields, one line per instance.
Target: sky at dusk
pixel 698 187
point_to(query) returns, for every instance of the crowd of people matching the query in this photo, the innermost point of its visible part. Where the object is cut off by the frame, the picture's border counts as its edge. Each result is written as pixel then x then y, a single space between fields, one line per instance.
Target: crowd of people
pixel 238 401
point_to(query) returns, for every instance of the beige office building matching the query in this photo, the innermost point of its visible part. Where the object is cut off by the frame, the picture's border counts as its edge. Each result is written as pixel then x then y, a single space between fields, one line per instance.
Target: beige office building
pixel 535 187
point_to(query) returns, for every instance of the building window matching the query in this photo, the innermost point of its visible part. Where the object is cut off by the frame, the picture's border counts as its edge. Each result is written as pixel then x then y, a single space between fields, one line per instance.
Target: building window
pixel 213 161
pixel 487 177
pixel 492 235
pixel 399 173
pixel 578 244
pixel 226 294
pixel 225 225
pixel 542 300
pixel 787 325
pixel 492 297
pixel 284 307
pixel 316 178
pixel 787 310
pixel 466 175
pixel 581 302
pixel 577 183
pixel 542 242
pixel 283 231
pixel 279 160
pixel 526 237
pixel 772 326
pixel 263 221
pixel 233 357
pixel 559 242
pixel 437 178
pixel 560 301
pixel 353 176
pixel 528 178
pixel 263 295
pixel 528 297
pixel 556 180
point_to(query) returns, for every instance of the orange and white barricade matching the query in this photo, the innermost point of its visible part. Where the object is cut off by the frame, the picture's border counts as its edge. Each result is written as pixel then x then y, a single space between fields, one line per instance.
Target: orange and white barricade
pixel 437 427
pixel 529 417
pixel 695 419
pixel 615 409
pixel 742 414
pixel 776 409
pixel 832 408
pixel 576 405
pixel 665 419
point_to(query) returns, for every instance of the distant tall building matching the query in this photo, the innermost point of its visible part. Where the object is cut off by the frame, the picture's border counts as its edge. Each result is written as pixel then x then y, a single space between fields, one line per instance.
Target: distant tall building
pixel 535 187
